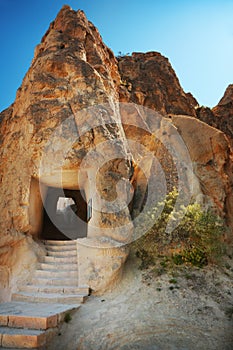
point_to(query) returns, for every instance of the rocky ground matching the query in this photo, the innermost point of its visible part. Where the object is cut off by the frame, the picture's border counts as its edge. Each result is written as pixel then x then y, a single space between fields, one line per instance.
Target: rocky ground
pixel 181 309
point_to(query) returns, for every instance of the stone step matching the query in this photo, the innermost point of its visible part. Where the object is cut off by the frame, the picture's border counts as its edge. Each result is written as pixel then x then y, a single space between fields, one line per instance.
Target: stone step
pixel 40 316
pixel 54 281
pixel 25 338
pixel 59 248
pixel 55 289
pixel 49 298
pixel 66 253
pixel 56 273
pixel 61 243
pixel 60 259
pixel 61 266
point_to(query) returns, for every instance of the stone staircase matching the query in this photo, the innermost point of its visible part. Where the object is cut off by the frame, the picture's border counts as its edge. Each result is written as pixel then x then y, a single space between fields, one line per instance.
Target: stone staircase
pixel 32 317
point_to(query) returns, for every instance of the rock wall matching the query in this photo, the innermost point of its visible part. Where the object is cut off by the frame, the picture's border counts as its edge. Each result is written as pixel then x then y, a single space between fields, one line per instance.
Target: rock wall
pixel 18 260
pixel 211 155
pixel 148 79
pixel 221 116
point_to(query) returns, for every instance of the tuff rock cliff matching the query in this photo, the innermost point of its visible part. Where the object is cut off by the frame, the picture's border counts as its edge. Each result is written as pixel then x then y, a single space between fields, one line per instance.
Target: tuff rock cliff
pixel 148 79
pixel 74 87
pixel 221 116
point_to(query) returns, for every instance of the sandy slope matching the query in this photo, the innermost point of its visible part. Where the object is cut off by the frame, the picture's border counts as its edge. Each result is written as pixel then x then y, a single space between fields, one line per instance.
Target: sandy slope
pixel 155 314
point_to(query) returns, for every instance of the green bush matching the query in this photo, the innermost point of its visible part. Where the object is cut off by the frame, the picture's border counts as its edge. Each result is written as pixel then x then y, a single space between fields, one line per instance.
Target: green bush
pixel 194 255
pixel 67 318
pixel 196 241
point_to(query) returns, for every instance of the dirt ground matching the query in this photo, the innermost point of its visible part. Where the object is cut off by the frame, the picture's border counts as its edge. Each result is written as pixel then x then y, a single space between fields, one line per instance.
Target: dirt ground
pixel 190 309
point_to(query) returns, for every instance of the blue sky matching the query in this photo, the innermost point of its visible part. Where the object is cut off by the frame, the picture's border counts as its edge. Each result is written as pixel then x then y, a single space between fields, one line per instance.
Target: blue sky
pixel 196 36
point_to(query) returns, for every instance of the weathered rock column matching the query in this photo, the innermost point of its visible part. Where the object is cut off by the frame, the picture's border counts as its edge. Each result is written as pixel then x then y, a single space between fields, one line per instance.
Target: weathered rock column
pixel 102 254
pixel 100 262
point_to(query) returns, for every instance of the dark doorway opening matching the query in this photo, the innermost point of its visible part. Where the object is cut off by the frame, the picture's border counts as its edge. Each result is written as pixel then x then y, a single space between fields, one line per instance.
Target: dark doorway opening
pixel 65 214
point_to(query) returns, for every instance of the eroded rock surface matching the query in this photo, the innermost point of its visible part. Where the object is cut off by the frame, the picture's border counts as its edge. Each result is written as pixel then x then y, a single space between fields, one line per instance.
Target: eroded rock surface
pixel 221 116
pixel 211 155
pixel 148 79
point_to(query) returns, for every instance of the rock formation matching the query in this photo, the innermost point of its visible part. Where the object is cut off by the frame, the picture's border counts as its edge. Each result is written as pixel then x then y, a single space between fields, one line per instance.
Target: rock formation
pixel 45 137
pixel 66 130
pixel 149 80
pixel 221 116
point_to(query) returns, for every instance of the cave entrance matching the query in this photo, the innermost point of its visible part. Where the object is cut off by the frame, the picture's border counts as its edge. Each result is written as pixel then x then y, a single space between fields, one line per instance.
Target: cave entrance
pixel 65 214
pixel 57 213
